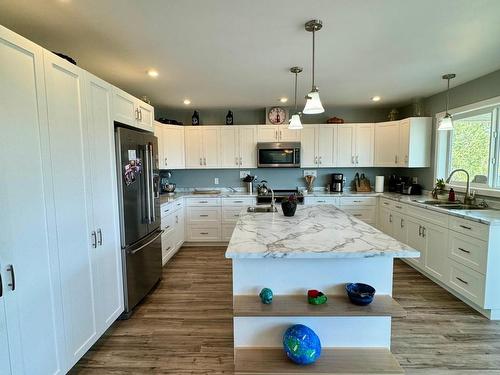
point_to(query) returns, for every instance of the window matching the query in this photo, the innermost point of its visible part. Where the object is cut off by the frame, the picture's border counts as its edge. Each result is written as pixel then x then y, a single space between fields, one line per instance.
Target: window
pixel 473 145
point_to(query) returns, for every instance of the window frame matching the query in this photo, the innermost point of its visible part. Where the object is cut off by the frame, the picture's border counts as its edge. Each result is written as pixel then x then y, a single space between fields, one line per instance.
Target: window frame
pixel 443 148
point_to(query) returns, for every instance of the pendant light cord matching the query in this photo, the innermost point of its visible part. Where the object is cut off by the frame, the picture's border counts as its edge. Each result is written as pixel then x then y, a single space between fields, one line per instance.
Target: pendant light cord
pixel 295 92
pixel 448 96
pixel 314 32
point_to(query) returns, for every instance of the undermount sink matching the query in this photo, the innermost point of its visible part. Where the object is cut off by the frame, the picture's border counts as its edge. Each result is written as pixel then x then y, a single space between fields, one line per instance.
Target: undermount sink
pixel 452 205
pixel 262 209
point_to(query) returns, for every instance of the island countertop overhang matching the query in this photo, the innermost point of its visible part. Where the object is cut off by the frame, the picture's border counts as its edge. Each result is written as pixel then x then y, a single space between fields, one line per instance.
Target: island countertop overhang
pixel 322 231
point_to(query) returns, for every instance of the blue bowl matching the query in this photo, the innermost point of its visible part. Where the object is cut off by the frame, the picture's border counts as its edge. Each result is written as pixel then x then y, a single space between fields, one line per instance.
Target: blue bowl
pixel 360 294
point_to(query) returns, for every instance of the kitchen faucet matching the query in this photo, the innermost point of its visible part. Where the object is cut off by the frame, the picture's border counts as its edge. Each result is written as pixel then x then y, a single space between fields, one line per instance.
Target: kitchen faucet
pixel 468 199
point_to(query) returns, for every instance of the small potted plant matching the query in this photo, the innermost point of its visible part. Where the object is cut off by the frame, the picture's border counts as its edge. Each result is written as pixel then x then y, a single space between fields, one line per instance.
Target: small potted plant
pixel 289 205
pixel 439 191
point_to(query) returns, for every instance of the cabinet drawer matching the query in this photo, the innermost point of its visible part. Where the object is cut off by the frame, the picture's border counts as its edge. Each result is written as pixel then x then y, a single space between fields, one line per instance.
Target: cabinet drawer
pixel 470 228
pixel 202 233
pixel 167 208
pixel 358 201
pixel 468 251
pixel 322 200
pixel 428 216
pixel 467 282
pixel 167 223
pixel 387 203
pixel 365 214
pixel 227 231
pixel 203 215
pixel 245 201
pixel 231 214
pixel 201 202
pixel 178 204
pixel 167 246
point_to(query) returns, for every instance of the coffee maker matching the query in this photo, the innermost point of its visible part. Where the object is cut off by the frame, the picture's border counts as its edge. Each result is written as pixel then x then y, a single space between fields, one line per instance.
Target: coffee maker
pixel 337 183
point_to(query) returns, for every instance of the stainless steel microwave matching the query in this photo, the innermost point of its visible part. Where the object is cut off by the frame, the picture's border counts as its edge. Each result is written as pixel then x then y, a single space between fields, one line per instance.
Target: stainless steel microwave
pixel 278 154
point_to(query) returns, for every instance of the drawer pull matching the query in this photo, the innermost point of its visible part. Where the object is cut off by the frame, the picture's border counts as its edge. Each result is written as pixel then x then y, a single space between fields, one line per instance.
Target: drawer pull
pixel 357 215
pixel 465 227
pixel 166 210
pixel 168 226
pixel 465 251
pixel 357 201
pixel 237 201
pixel 237 215
pixel 203 215
pixel 204 233
pixel 462 280
pixel 386 203
pixel 168 248
pixel 203 202
pixel 321 201
pixel 398 206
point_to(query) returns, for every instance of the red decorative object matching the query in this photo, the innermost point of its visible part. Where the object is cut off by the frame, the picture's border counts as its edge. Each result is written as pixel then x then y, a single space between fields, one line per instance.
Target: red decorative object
pixel 335 120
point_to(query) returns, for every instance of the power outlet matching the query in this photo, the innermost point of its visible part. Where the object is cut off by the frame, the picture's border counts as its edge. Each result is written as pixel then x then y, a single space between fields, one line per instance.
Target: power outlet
pixel 243 174
pixel 310 172
pixel 216 180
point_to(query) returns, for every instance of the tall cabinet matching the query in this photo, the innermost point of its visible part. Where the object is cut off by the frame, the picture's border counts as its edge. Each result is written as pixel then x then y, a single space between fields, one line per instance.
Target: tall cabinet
pixel 60 264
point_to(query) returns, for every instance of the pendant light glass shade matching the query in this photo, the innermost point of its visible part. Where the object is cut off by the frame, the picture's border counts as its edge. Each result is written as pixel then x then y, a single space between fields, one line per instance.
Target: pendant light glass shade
pixel 313 103
pixel 295 122
pixel 446 123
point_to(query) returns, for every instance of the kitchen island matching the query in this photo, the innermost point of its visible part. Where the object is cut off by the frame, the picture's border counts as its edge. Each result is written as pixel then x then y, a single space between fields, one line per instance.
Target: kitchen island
pixel 323 248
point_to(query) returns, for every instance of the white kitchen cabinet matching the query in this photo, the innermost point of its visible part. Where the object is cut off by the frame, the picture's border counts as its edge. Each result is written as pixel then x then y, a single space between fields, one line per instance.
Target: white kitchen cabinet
pixel 202 146
pixel 131 111
pixel 171 152
pixel 73 197
pixel 277 133
pixel 31 329
pixel 416 240
pixel 404 143
pixel 436 250
pixel 399 228
pixel 106 257
pixel 238 146
pixel 172 223
pixel 318 146
pixel 355 145
pixel 386 144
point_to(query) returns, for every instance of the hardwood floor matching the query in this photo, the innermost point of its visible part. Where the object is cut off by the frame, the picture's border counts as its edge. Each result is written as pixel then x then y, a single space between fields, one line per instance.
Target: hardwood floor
pixel 185 326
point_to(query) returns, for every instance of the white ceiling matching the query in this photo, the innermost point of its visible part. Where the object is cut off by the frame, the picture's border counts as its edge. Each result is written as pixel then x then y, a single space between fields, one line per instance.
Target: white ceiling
pixel 236 53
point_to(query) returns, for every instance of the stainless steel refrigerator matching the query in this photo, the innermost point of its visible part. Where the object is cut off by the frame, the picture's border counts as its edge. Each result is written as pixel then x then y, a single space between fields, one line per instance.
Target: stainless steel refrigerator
pixel 139 201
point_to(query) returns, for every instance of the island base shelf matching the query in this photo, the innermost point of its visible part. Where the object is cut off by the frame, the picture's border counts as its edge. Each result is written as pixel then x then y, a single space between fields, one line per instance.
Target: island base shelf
pixel 297 305
pixel 345 361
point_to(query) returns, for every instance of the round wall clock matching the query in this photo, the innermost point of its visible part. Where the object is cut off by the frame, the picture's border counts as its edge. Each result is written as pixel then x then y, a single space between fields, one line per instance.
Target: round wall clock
pixel 276 116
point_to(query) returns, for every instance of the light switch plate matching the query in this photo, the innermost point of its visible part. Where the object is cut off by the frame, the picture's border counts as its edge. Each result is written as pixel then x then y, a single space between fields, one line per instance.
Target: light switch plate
pixel 310 172
pixel 216 180
pixel 243 174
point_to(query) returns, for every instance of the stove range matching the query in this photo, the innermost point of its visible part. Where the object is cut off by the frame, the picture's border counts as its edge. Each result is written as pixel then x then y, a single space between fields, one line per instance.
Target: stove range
pixel 279 194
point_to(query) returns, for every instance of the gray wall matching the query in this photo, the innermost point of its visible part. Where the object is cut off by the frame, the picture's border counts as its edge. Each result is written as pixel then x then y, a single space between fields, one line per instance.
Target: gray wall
pixel 244 116
pixel 482 88
pixel 278 178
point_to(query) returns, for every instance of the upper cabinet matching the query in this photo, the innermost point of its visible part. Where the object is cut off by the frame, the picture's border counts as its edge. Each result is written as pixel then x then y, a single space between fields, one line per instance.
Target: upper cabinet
pixel 202 146
pixel 355 145
pixel 405 143
pixel 131 111
pixel 171 153
pixel 238 146
pixel 277 133
pixel 318 146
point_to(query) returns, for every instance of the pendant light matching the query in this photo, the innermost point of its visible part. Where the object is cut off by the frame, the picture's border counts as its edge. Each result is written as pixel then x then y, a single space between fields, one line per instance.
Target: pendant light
pixel 313 103
pixel 295 122
pixel 446 122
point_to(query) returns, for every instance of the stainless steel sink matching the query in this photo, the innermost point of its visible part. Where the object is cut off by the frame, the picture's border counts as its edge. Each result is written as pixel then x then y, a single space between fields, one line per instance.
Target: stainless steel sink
pixel 452 205
pixel 262 209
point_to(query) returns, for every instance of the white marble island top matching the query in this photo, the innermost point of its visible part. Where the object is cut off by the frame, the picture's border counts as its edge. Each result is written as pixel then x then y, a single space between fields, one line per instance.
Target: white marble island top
pixel 321 231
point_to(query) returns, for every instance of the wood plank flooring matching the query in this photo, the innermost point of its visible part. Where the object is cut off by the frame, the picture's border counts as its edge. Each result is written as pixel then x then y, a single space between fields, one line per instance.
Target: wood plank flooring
pixel 185 326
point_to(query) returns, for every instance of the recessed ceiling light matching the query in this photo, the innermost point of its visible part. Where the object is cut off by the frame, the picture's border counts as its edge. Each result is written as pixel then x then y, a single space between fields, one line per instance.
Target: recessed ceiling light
pixel 283 100
pixel 376 98
pixel 152 73
pixel 187 102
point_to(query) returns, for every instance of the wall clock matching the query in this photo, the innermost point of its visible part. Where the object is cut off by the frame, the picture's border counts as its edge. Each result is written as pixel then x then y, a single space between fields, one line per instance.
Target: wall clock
pixel 277 115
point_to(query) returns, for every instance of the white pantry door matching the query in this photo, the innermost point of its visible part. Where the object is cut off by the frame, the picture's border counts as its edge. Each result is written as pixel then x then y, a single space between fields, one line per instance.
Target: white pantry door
pixel 28 259
pixel 71 173
pixel 106 257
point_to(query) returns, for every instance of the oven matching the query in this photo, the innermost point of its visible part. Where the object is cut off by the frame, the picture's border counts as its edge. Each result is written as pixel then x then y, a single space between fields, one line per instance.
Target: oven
pixel 278 154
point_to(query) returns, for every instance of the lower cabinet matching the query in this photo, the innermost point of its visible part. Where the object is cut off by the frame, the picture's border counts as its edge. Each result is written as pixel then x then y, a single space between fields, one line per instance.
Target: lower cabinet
pixel 172 224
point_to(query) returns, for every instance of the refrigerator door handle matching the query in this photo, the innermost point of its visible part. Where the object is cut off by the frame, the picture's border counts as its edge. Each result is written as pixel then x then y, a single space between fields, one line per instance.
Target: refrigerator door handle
pixel 146 244
pixel 151 180
pixel 148 189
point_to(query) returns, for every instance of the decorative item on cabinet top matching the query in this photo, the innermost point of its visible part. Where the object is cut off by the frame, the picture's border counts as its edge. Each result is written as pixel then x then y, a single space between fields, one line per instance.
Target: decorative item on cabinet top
pixel 276 116
pixel 229 118
pixel 195 119
pixel 335 120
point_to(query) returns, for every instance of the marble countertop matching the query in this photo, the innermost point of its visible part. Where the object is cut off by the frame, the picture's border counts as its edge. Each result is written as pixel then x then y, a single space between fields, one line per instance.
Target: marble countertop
pixel 321 231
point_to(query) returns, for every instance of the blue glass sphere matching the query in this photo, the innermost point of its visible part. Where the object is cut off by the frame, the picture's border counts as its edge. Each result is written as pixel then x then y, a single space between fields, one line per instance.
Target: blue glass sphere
pixel 301 344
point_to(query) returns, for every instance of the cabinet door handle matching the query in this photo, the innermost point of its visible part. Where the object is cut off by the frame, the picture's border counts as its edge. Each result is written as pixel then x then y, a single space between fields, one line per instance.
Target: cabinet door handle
pixel 203 215
pixel 461 280
pixel 390 218
pixel 204 233
pixel 352 159
pixel 176 219
pixel 236 160
pixel 321 201
pixel 357 159
pixel 203 202
pixel 465 251
pixel 465 227
pixel 386 203
pixel 1 285
pixel 400 207
pixel 137 114
pixel 357 201
pixel 12 283
pixel 281 135
pixel 205 161
pixel 94 239
pixel 395 159
pixel 99 237
pixel 423 231
pixel 201 161
pixel 166 227
pixel 402 223
pixel 420 231
pixel 241 160
pixel 166 162
pixel 357 215
pixel 320 161
pixel 140 115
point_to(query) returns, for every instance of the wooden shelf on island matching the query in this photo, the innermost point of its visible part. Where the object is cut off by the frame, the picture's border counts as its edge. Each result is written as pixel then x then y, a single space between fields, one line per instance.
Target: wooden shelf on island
pixel 297 305
pixel 260 361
